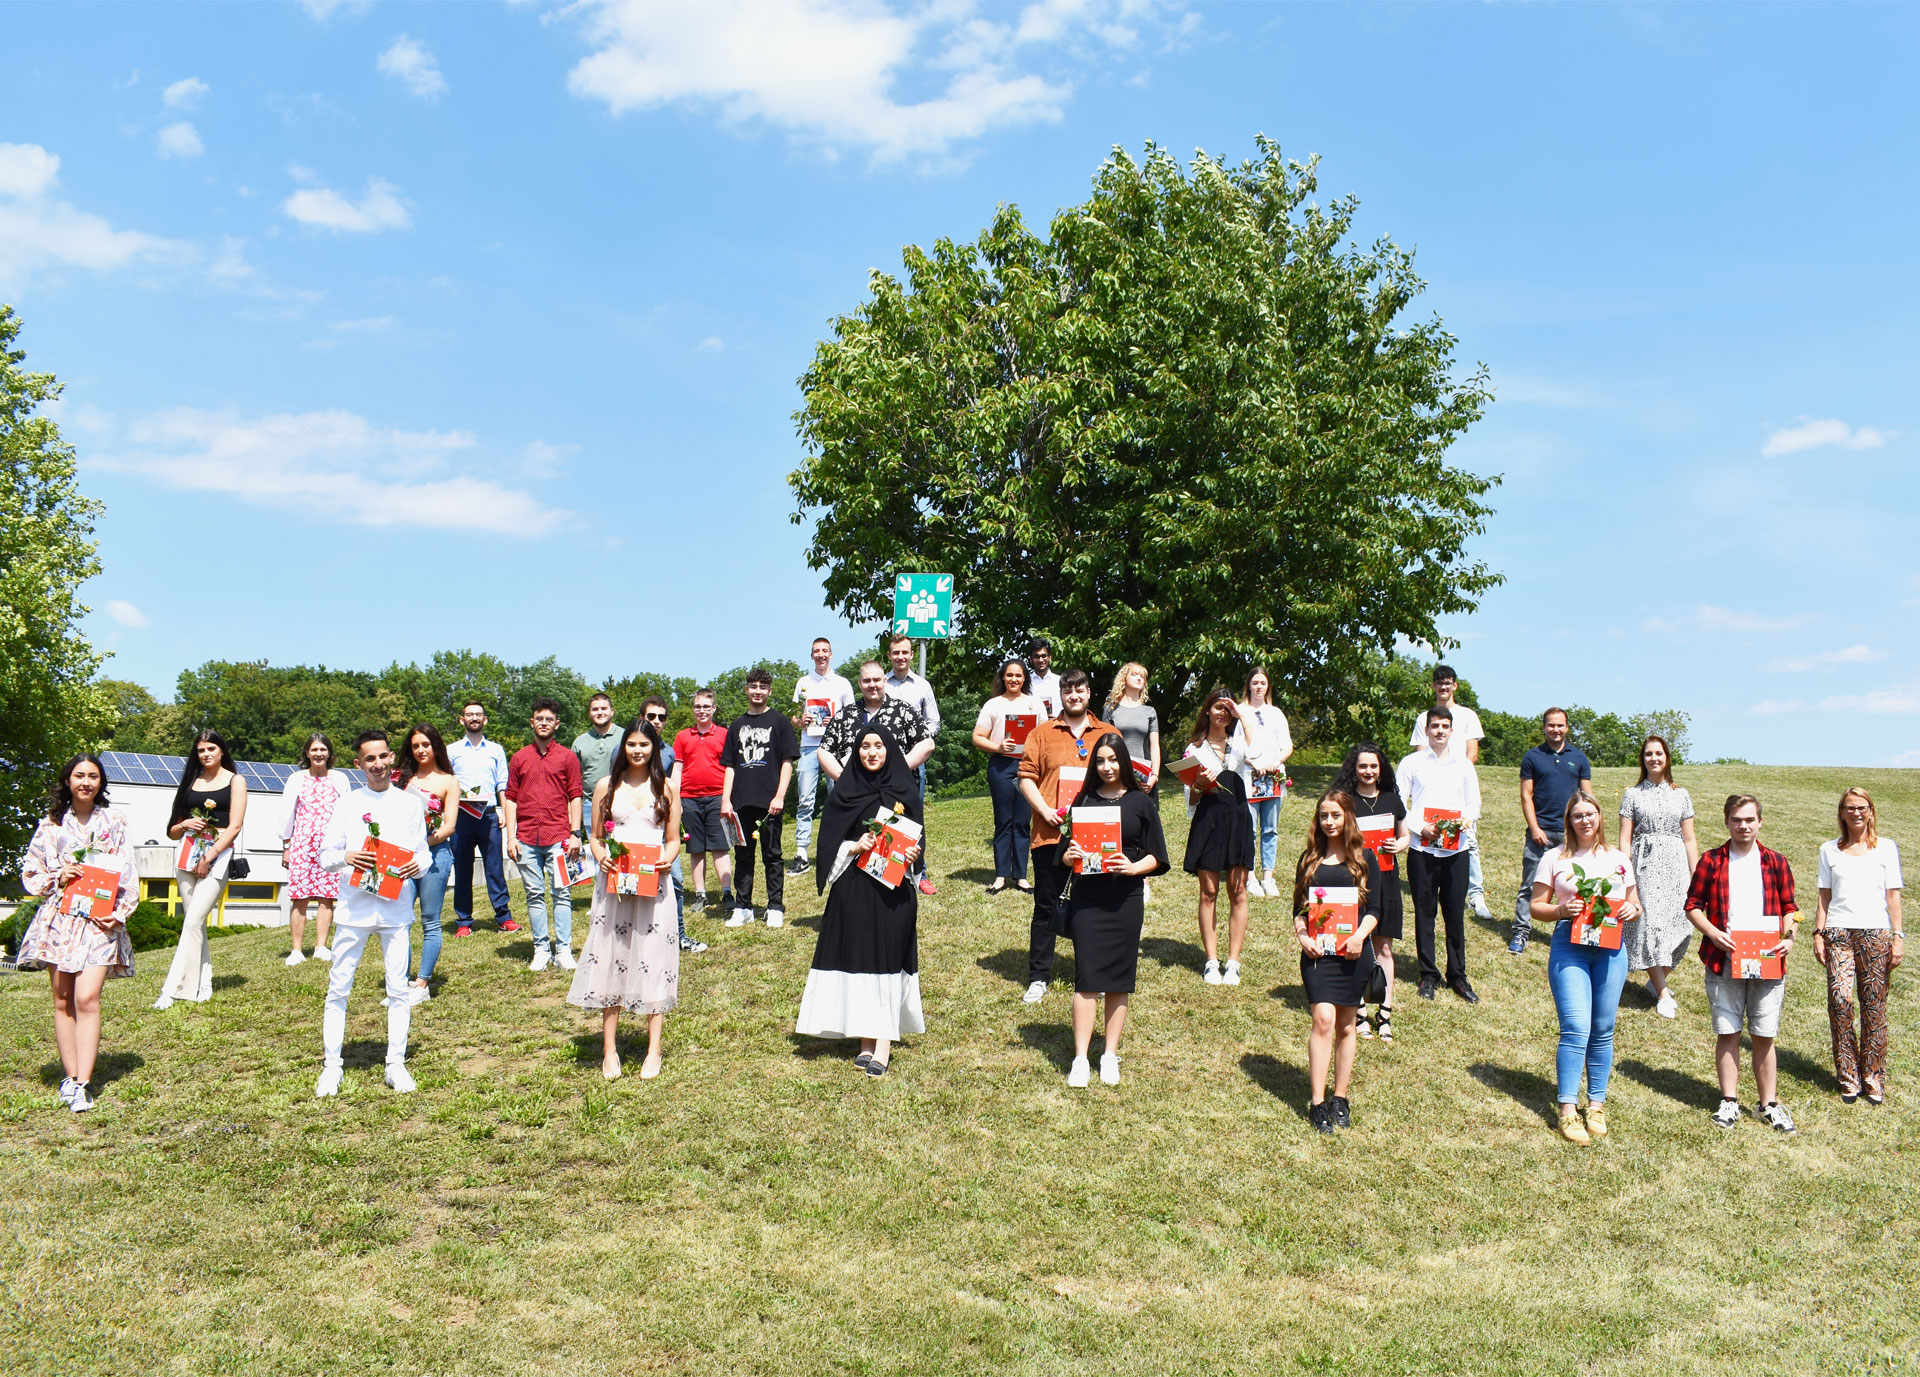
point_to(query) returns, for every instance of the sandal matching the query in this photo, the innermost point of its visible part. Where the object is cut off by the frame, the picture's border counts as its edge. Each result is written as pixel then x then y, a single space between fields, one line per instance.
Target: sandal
pixel 1385 1021
pixel 1364 1022
pixel 1023 886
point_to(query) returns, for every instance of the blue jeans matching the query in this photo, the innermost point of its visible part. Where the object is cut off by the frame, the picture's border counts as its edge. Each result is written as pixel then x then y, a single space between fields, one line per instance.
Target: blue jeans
pixel 535 876
pixel 482 834
pixel 432 890
pixel 809 777
pixel 1012 818
pixel 680 891
pixel 1586 985
pixel 1476 886
pixel 1529 861
pixel 1266 830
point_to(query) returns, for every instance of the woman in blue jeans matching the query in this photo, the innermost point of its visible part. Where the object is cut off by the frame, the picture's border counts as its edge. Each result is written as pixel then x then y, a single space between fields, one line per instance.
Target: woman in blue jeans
pixel 1002 741
pixel 1586 979
pixel 429 774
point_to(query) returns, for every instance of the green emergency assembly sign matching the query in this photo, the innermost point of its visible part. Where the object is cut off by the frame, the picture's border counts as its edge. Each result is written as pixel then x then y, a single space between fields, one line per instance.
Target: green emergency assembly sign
pixel 923 606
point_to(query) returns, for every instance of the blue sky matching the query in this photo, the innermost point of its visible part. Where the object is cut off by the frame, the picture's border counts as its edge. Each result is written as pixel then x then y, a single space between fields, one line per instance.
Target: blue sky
pixel 388 328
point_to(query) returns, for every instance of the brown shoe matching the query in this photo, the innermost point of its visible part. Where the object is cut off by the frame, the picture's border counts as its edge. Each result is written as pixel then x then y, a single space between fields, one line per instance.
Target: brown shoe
pixel 1596 1119
pixel 1570 1126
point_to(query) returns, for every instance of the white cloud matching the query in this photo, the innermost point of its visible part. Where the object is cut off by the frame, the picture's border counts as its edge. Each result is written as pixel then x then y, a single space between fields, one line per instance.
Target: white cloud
pixel 27 169
pixel 1818 434
pixel 340 330
pixel 1900 699
pixel 329 466
pixel 1708 618
pixel 410 61
pixel 126 614
pixel 712 344
pixel 180 140
pixel 1851 655
pixel 323 10
pixel 832 71
pixel 542 460
pixel 40 231
pixel 1772 707
pixel 1906 760
pixel 324 208
pixel 185 94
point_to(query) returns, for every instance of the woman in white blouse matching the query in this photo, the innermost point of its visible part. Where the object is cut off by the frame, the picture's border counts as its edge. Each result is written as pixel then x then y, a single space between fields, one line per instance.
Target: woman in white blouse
pixel 1857 936
pixel 1012 819
pixel 1266 743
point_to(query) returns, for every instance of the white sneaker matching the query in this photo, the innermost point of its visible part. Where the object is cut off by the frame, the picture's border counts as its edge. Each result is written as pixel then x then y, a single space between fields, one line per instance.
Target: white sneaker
pixel 1080 1074
pixel 323 953
pixel 741 917
pixel 1036 992
pixel 399 1078
pixel 687 944
pixel 82 1101
pixel 540 958
pixel 1109 1069
pixel 1231 975
pixel 1668 1007
pixel 419 994
pixel 1212 973
pixel 328 1084
pixel 164 1002
pixel 775 917
pixel 1271 889
pixel 67 1086
pixel 1480 909
pixel 564 959
pixel 295 957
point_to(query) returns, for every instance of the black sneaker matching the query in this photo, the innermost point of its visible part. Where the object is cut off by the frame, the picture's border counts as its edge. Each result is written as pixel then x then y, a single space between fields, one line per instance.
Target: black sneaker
pixel 1464 990
pixel 696 903
pixel 800 865
pixel 726 901
pixel 1322 1116
pixel 1427 986
pixel 1342 1112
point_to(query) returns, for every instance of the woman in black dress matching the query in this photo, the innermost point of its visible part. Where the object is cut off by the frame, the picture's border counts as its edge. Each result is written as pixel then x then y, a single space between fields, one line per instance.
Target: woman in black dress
pixel 1219 840
pixel 1335 858
pixel 1366 775
pixel 865 981
pixel 1105 911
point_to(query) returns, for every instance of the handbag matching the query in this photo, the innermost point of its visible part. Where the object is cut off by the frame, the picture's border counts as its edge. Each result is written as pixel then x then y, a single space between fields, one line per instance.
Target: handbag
pixel 239 868
pixel 1377 985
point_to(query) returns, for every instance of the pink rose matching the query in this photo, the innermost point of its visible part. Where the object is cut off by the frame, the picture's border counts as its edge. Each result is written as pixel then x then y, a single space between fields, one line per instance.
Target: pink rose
pixel 1320 892
pixel 609 827
pixel 366 817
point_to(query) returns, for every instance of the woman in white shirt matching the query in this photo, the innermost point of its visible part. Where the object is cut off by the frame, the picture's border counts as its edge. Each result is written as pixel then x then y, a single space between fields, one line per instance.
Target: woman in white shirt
pixel 1266 744
pixel 1586 977
pixel 1219 842
pixel 1857 936
pixel 1012 819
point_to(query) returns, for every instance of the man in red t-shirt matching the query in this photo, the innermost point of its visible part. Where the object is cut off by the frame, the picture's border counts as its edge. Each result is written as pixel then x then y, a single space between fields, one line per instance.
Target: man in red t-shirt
pixel 699 777
pixel 542 817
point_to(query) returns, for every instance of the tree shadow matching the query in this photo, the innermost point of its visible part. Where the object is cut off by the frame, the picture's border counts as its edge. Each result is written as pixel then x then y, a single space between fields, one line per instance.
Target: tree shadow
pixel 228 982
pixel 1293 996
pixel 515 951
pixel 1053 1039
pixel 108 1067
pixel 1803 1068
pixel 1286 1082
pixel 1010 964
pixel 1527 1089
pixel 979 875
pixel 1676 1085
pixel 1170 951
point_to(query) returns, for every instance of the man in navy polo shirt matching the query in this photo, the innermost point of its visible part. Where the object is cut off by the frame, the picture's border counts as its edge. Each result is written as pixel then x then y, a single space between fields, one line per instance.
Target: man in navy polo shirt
pixel 1549 777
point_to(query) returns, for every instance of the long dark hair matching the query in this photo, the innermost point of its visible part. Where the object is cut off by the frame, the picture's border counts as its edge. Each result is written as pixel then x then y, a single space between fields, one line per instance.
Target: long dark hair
pixel 434 739
pixel 1350 844
pixel 1000 676
pixel 1090 789
pixel 1203 725
pixel 1348 780
pixel 190 771
pixel 60 792
pixel 656 771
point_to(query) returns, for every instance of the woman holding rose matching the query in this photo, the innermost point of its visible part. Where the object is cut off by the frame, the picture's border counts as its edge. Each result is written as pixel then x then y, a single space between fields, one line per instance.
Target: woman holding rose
pixel 209 806
pixel 428 773
pixel 1586 980
pixel 314 791
pixel 1336 981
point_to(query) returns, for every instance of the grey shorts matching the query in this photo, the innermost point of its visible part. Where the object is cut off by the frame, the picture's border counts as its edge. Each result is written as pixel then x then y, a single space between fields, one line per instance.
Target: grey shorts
pixel 1754 1003
pixel 701 819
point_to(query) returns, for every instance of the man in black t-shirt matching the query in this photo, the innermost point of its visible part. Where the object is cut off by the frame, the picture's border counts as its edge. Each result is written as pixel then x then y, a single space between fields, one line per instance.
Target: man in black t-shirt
pixel 759 756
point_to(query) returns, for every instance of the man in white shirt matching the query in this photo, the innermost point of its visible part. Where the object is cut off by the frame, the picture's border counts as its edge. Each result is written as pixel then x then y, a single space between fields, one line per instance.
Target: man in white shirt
pixel 822 695
pixel 398 818
pixel 917 693
pixel 481 767
pixel 1043 683
pixel 1444 782
pixel 1467 736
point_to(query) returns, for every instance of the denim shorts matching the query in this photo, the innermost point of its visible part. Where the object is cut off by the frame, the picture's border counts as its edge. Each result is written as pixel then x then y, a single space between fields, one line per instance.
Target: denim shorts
pixel 701 819
pixel 1754 1002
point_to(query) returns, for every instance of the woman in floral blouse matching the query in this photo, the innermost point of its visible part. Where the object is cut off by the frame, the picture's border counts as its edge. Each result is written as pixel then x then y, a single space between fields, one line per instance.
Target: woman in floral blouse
pixel 79 947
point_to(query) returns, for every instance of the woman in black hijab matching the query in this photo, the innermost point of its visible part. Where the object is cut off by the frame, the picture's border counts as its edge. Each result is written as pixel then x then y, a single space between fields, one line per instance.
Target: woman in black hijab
pixel 865 981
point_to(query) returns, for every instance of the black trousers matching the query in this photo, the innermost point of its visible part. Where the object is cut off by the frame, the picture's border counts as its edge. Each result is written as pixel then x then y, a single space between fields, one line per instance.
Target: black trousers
pixel 1439 882
pixel 769 826
pixel 1050 876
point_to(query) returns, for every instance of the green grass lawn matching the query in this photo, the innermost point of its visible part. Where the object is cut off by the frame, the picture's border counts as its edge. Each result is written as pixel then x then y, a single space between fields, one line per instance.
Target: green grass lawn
pixel 762 1208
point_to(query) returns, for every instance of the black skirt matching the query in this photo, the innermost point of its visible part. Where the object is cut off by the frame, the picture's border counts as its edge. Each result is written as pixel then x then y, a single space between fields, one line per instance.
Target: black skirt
pixel 1105 914
pixel 1392 923
pixel 1337 979
pixel 1220 838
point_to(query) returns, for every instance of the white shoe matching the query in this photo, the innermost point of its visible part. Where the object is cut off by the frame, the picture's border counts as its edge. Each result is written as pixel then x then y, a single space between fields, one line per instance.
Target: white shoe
pixel 295 957
pixel 164 1002
pixel 540 958
pixel 328 1084
pixel 1036 992
pixel 399 1078
pixel 323 953
pixel 564 959
pixel 1668 1007
pixel 1080 1074
pixel 67 1086
pixel 419 994
pixel 1109 1069
pixel 1212 973
pixel 1269 888
pixel 1480 909
pixel 687 944
pixel 1231 975
pixel 82 1101
pixel 741 917
pixel 1146 891
pixel 776 917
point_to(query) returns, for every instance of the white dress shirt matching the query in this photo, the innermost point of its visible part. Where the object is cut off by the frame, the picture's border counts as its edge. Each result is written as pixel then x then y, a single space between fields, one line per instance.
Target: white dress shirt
pixel 403 822
pixel 1046 687
pixel 917 694
pixel 1447 781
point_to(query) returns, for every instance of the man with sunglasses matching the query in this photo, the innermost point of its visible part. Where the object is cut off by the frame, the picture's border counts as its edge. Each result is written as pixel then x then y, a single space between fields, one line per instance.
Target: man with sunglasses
pixel 1063 743
pixel 654 710
pixel 698 776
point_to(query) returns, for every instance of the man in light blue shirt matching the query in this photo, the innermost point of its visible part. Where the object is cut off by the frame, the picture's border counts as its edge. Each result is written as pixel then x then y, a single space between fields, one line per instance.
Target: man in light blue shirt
pixel 481 767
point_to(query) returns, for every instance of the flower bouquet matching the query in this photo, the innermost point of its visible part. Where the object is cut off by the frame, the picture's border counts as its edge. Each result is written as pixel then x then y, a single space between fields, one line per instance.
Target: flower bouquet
pixel 436 813
pixel 1601 896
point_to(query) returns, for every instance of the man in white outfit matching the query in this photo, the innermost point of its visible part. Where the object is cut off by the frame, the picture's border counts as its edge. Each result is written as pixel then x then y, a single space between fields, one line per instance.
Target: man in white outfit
pixel 362 916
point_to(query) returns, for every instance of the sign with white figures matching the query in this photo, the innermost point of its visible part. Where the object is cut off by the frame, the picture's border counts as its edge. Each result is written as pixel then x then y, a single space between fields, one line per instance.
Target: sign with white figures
pixel 923 606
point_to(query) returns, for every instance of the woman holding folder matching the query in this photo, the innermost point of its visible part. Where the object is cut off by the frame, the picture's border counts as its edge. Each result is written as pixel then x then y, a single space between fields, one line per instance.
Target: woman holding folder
pixel 1336 907
pixel 1365 778
pixel 1001 731
pixel 81 867
pixel 631 959
pixel 209 808
pixel 1219 840
pixel 1111 857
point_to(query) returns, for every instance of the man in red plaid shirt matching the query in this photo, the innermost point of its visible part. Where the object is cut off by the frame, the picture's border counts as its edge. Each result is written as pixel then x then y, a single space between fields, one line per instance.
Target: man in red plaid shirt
pixel 1744 885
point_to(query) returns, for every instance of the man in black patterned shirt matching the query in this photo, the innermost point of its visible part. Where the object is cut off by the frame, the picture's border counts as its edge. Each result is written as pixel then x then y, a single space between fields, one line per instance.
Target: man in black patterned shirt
pixel 901 720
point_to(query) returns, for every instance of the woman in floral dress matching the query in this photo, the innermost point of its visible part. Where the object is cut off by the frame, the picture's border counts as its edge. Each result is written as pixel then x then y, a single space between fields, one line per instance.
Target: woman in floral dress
pixel 314 793
pixel 1656 830
pixel 80 950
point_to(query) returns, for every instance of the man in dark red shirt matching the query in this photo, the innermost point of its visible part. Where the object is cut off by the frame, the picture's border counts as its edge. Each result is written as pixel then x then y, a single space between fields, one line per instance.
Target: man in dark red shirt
pixel 699 776
pixel 542 817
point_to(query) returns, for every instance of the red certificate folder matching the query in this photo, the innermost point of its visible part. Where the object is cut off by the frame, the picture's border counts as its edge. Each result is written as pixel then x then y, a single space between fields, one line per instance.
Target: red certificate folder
pixel 1067 786
pixel 91 893
pixel 1143 770
pixel 1267 787
pixel 1756 951
pixel 568 871
pixel 1333 915
pixel 1450 837
pixel 384 879
pixel 635 873
pixel 819 712
pixel 1020 726
pixel 1595 929
pixel 1187 769
pixel 887 862
pixel 1096 831
pixel 1375 829
pixel 194 848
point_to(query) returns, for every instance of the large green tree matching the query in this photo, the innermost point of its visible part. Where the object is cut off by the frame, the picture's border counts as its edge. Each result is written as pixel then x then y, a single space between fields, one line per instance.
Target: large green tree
pixel 1192 425
pixel 50 706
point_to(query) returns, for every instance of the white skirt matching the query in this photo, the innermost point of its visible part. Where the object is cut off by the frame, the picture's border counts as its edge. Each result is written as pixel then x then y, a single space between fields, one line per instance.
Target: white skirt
pixel 843 1004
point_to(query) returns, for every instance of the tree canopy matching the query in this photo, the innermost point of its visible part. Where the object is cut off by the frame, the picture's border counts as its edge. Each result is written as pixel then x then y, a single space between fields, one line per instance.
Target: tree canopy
pixel 1191 426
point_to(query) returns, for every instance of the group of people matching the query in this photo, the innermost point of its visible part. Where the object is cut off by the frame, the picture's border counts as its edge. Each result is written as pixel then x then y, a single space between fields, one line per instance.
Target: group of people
pixel 366 857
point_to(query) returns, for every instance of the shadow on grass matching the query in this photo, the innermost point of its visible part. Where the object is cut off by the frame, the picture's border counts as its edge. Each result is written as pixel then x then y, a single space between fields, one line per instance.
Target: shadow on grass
pixel 228 982
pixel 514 951
pixel 1054 1039
pixel 1010 964
pixel 1638 995
pixel 1527 1089
pixel 1283 1080
pixel 364 1052
pixel 814 1049
pixel 1816 1074
pixel 1170 952
pixel 1293 996
pixel 979 875
pixel 1677 1086
pixel 629 1044
pixel 108 1067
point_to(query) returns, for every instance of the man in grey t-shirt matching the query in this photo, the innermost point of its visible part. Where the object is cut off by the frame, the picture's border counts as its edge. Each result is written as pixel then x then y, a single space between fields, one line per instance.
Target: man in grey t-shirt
pixel 595 746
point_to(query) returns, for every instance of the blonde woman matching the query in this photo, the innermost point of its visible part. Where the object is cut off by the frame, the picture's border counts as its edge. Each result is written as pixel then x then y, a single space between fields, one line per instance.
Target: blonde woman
pixel 1858 937
pixel 1139 726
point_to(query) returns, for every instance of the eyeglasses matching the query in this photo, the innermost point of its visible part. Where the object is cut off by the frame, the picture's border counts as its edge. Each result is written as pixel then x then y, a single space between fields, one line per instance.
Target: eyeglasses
pixel 1856 808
